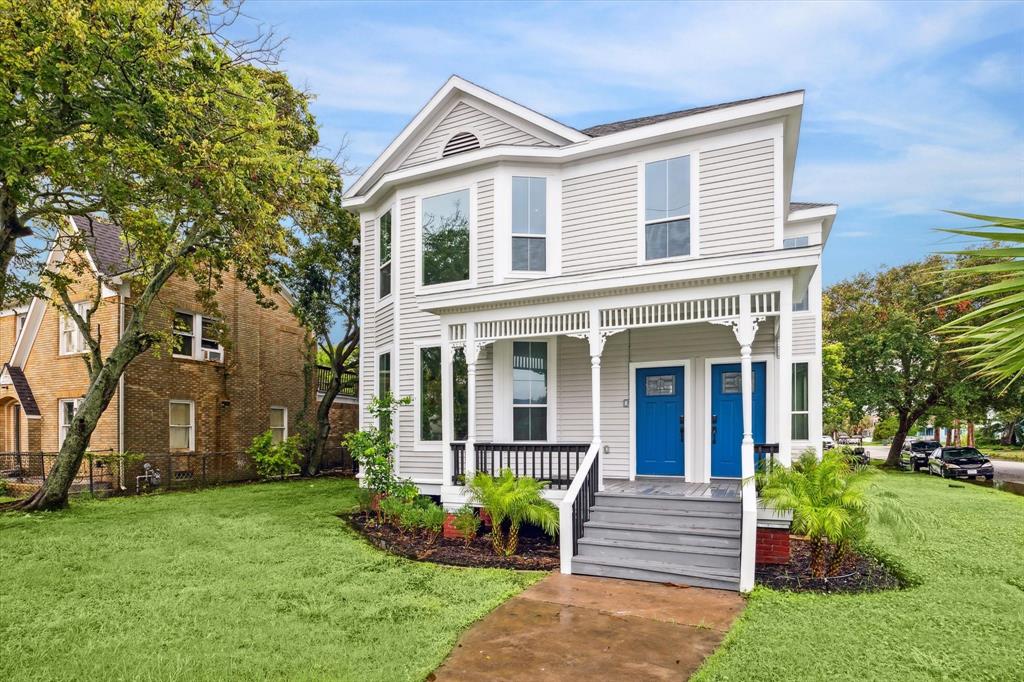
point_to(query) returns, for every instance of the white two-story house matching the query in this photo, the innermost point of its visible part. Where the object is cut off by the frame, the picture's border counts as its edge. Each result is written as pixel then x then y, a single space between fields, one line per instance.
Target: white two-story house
pixel 630 311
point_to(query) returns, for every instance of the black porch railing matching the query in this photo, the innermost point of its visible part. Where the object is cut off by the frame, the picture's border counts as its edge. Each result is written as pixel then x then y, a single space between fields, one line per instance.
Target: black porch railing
pixel 583 502
pixel 349 384
pixel 458 463
pixel 556 463
pixel 765 456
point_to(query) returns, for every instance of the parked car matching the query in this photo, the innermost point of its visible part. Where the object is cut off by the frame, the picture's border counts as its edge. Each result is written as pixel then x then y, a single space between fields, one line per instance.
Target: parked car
pixel 960 462
pixel 915 455
pixel 827 442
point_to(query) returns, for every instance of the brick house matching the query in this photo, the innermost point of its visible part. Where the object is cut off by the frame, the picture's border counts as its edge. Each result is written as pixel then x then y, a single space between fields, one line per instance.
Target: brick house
pixel 210 392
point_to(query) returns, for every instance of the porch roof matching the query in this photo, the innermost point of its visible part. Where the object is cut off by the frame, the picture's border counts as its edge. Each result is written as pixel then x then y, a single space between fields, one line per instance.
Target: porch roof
pixel 798 263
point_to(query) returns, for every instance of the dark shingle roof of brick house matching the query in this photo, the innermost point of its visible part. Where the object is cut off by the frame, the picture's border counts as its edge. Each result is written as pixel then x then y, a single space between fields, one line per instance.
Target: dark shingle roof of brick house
pixel 24 391
pixel 628 124
pixel 103 240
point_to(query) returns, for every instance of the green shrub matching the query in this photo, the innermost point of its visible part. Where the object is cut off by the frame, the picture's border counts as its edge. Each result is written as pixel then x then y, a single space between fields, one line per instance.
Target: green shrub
pixel 373 447
pixel 831 505
pixel 405 490
pixel 432 521
pixel 274 460
pixel 410 517
pixel 467 523
pixel 364 499
pixel 391 509
pixel 510 501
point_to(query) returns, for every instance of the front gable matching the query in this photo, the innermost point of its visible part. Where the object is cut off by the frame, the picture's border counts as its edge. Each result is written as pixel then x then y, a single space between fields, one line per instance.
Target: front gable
pixel 464 118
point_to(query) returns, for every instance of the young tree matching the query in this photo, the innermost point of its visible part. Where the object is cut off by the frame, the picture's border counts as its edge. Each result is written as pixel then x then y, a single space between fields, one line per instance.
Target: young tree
pixel 322 272
pixel 888 324
pixel 187 140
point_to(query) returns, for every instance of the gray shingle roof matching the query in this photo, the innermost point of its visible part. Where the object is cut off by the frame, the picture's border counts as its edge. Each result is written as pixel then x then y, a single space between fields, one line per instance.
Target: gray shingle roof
pixel 24 391
pixel 800 205
pixel 103 240
pixel 628 124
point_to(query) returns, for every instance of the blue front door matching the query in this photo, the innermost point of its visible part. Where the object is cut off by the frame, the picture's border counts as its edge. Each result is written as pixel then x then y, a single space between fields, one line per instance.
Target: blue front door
pixel 727 416
pixel 659 421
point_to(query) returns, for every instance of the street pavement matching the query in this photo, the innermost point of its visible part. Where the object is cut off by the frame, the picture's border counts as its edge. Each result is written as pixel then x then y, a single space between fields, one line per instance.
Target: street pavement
pixel 1005 470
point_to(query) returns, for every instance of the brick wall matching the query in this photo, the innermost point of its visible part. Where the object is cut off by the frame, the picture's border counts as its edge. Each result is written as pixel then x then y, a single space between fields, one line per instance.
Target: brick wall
pixel 343 417
pixel 772 546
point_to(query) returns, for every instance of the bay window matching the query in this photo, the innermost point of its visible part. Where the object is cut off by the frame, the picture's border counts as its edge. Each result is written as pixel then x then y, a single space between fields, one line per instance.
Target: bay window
pixel 385 255
pixel 445 238
pixel 430 402
pixel 529 224
pixel 667 208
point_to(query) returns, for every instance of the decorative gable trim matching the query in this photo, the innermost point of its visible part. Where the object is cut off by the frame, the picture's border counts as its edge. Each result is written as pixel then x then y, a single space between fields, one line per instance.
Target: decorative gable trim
pixel 443 101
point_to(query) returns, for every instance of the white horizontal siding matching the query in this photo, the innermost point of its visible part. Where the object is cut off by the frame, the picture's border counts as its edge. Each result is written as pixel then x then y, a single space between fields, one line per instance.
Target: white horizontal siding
pixel 804 335
pixel 485 231
pixel 485 395
pixel 416 326
pixel 464 117
pixel 737 198
pixel 599 221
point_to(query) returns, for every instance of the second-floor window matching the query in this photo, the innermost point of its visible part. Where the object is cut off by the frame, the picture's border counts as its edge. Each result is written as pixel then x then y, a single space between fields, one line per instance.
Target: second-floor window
pixel 795 242
pixel 803 303
pixel 801 412
pixel 667 208
pixel 529 224
pixel 385 255
pixel 187 327
pixel 71 339
pixel 446 238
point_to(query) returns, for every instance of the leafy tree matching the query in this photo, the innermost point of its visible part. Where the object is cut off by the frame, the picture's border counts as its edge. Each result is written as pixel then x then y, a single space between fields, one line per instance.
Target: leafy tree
pixel 838 409
pixel 188 140
pixel 322 272
pixel 992 333
pixel 888 324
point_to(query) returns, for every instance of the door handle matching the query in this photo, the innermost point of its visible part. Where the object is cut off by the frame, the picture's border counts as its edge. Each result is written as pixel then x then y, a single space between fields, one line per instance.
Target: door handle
pixel 682 429
pixel 714 428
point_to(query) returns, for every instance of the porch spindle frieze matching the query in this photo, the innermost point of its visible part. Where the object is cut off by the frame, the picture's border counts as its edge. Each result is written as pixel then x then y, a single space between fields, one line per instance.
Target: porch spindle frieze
pixel 541 325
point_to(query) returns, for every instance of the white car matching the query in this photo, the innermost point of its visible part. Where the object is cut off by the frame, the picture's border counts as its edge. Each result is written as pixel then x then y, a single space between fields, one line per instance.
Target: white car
pixel 827 442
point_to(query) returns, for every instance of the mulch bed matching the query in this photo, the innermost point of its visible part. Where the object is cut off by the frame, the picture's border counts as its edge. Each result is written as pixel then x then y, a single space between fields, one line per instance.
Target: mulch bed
pixel 858 573
pixel 535 553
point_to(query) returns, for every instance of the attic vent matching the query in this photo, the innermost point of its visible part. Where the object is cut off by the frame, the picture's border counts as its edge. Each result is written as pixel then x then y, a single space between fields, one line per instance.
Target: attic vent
pixel 460 142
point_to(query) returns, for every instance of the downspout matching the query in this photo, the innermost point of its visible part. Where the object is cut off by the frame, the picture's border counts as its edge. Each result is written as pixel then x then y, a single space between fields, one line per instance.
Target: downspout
pixel 120 391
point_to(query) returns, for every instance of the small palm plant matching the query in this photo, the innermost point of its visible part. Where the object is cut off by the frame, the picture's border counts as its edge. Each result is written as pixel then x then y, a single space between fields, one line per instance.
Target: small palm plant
pixel 510 501
pixel 832 503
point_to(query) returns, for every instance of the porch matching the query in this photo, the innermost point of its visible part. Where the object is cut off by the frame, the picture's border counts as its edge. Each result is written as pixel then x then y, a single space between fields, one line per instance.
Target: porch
pixel 695 345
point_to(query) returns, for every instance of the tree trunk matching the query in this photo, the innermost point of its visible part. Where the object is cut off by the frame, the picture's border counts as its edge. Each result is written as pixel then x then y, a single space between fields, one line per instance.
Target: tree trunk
pixel 54 492
pixel 315 451
pixel 970 434
pixel 11 228
pixel 818 558
pixel 512 543
pixel 892 460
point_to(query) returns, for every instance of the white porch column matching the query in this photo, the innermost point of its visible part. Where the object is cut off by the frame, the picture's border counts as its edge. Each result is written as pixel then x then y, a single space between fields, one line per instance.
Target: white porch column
pixel 746 329
pixel 785 374
pixel 472 355
pixel 447 407
pixel 596 347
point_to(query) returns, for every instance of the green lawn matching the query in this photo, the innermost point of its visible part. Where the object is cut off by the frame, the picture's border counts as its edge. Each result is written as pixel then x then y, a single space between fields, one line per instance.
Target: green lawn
pixel 964 621
pixel 245 582
pixel 1010 452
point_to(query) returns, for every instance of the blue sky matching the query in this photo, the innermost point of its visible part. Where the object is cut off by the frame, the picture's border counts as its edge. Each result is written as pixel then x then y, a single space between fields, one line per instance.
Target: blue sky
pixel 910 108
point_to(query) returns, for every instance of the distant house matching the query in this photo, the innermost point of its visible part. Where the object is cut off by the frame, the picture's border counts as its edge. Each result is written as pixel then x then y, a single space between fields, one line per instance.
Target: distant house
pixel 208 393
pixel 628 311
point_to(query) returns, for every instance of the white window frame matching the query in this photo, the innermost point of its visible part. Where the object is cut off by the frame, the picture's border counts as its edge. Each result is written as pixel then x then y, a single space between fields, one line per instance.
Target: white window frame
pixel 62 425
pixel 429 191
pixel 284 435
pixel 547 380
pixel 513 235
pixel 502 230
pixel 197 338
pixel 644 222
pixel 380 265
pixel 418 443
pixel 191 425
pixel 807 395
pixel 67 325
pixel 501 364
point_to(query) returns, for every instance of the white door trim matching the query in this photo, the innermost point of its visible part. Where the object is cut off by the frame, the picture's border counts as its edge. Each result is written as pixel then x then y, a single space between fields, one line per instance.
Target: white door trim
pixel 771 430
pixel 688 455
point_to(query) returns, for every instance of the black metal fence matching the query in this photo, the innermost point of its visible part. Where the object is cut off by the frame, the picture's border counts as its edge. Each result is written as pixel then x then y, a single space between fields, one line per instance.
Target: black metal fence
pixel 107 473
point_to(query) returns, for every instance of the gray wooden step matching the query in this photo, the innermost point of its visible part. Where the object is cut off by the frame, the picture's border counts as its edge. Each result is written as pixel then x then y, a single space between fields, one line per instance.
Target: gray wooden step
pixel 675 554
pixel 704 537
pixel 657 572
pixel 668 502
pixel 727 519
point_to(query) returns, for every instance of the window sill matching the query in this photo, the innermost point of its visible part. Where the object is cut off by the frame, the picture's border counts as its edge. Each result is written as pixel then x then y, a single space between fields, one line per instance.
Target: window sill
pixel 670 259
pixel 445 287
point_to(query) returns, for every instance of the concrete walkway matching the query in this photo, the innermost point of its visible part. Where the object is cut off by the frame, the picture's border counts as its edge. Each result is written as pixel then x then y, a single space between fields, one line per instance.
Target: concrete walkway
pixel 579 627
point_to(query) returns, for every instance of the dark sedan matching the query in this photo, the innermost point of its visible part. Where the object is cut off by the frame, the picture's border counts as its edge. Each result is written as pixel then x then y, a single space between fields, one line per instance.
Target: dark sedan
pixel 959 462
pixel 915 455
